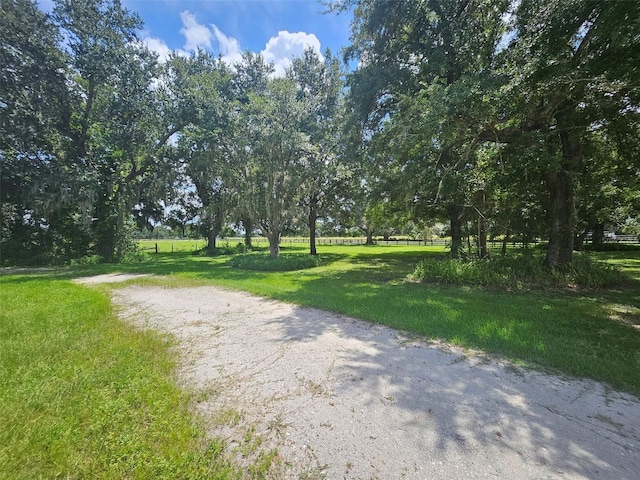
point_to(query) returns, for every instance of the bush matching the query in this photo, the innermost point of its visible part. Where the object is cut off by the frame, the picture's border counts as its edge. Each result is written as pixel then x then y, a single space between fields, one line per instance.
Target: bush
pixel 266 263
pixel 611 247
pixel 587 272
pixel 225 249
pixel 134 256
pixel 519 271
pixel 86 260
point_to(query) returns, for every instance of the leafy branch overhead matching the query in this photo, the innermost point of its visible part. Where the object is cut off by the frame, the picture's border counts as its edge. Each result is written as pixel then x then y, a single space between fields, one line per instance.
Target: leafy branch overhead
pixel 501 118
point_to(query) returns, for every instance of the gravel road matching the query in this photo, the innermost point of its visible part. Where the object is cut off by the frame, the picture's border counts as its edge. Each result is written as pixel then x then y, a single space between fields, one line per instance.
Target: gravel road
pixel 341 398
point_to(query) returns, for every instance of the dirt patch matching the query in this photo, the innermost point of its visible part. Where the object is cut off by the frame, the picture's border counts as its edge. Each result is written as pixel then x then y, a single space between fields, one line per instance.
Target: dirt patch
pixel 109 278
pixel 341 398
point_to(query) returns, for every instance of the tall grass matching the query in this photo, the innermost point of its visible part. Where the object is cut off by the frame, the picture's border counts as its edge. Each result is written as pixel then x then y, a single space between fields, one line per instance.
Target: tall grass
pixel 517 271
pixel 282 263
pixel 85 396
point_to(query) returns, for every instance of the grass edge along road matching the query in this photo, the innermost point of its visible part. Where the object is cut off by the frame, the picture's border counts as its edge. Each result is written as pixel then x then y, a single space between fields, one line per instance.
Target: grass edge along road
pixel 85 396
pixel 587 333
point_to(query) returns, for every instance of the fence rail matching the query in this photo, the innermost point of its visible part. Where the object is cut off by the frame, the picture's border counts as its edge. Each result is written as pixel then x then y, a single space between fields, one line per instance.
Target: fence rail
pixel 185 245
pixel 345 241
pixel 623 239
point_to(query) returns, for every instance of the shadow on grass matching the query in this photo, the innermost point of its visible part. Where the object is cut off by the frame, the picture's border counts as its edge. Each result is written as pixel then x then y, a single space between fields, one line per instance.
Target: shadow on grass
pixel 573 334
pixel 466 406
pixel 576 333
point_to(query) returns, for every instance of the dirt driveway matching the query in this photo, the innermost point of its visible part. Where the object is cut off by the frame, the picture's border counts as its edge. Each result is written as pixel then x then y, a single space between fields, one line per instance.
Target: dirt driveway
pixel 341 398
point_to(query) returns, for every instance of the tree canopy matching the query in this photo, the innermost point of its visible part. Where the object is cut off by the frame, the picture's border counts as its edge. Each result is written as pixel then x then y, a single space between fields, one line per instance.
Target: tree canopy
pixel 504 119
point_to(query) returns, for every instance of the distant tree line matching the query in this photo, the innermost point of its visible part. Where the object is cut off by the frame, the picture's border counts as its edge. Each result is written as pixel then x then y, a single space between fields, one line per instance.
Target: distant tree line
pixel 501 118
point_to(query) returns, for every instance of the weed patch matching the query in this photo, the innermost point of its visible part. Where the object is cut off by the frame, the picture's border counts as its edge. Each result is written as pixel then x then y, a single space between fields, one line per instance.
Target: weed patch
pixel 283 263
pixel 224 249
pixel 519 271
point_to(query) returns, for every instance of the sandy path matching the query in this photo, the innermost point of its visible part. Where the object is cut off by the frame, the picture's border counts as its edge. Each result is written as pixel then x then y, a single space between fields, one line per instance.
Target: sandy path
pixel 341 398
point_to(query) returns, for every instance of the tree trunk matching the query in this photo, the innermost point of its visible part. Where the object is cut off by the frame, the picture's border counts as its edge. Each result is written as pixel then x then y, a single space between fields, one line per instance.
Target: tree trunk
pixel 313 216
pixel 369 237
pixel 483 250
pixel 454 213
pixel 482 238
pixel 560 185
pixel 105 241
pixel 505 241
pixel 562 216
pixel 105 227
pixel 211 238
pixel 597 237
pixel 274 241
pixel 248 229
pixel 274 244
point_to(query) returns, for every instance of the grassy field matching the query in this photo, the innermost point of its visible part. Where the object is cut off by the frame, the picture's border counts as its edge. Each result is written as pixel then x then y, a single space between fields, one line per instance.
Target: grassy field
pixel 76 383
pixel 590 333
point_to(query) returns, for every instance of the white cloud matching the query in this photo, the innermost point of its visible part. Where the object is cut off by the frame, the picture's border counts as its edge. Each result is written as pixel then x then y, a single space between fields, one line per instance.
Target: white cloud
pixel 196 35
pixel 229 47
pixel 158 46
pixel 282 49
pixel 161 48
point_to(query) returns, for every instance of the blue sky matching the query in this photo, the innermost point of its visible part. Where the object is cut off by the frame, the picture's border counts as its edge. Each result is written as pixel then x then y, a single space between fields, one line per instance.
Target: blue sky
pixel 280 29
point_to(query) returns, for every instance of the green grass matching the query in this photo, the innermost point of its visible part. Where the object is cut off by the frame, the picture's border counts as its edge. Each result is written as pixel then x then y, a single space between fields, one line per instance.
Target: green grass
pixel 82 393
pixel 85 396
pixel 522 270
pixel 591 333
pixel 265 263
pixel 168 246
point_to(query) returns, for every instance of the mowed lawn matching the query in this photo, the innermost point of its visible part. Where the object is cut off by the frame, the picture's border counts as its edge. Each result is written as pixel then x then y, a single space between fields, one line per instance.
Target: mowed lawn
pixel 588 333
pixel 84 395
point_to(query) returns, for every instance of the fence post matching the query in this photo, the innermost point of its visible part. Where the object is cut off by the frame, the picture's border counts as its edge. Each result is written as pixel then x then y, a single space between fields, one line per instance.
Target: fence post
pixel 156 248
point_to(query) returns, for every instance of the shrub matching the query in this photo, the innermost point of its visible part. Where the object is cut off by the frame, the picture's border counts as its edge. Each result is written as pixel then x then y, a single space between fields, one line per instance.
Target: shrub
pixel 134 256
pixel 86 260
pixel 611 247
pixel 283 263
pixel 225 249
pixel 587 272
pixel 518 271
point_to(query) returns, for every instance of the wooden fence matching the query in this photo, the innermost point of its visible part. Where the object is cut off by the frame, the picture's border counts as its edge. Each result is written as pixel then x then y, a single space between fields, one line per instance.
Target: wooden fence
pixel 177 245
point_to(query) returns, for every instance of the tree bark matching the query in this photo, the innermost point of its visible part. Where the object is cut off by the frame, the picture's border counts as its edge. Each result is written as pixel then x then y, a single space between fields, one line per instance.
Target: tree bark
pixel 483 249
pixel 369 237
pixel 562 216
pixel 274 244
pixel 454 212
pixel 248 228
pixel 505 241
pixel 562 211
pixel 313 216
pixel 597 237
pixel 211 238
pixel 106 224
